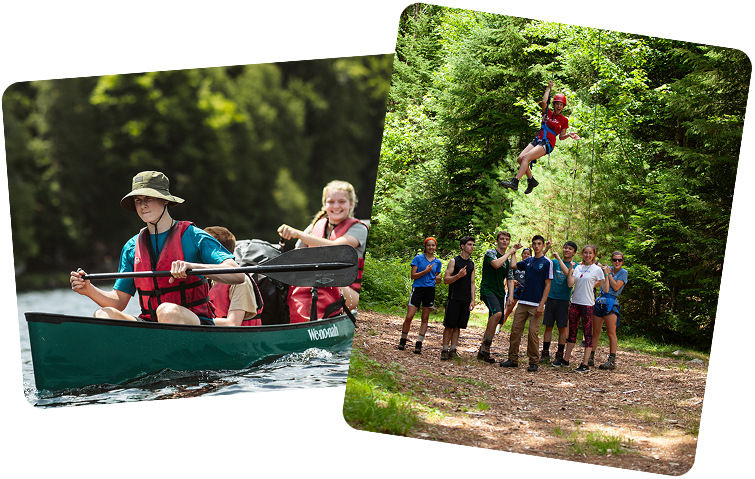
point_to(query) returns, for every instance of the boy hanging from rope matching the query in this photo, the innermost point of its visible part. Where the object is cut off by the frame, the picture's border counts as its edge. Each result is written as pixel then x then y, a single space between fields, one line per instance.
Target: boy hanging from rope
pixel 553 124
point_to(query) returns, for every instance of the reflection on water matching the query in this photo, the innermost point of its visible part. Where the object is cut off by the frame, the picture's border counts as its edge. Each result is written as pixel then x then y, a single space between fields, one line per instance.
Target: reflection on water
pixel 311 368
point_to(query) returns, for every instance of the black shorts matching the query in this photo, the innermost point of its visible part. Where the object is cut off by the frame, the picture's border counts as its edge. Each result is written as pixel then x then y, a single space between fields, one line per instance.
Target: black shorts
pixel 556 311
pixel 423 296
pixel 457 314
pixel 493 303
pixel 544 143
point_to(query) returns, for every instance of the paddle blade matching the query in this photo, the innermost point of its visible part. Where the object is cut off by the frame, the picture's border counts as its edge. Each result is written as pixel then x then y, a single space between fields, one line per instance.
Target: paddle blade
pixel 315 275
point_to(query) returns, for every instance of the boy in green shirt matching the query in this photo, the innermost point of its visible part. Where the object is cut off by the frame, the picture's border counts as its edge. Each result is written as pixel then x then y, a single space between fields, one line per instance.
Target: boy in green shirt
pixel 496 272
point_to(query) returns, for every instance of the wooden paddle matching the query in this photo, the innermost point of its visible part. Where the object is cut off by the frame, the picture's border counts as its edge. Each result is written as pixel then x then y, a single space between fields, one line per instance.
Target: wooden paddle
pixel 315 266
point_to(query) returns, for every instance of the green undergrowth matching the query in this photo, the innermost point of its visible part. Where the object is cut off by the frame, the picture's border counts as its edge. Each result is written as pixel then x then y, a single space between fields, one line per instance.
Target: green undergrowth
pixel 654 348
pixel 598 443
pixel 373 400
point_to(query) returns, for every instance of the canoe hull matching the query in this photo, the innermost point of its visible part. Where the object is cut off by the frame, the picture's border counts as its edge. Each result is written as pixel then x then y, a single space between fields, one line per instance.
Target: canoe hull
pixel 72 351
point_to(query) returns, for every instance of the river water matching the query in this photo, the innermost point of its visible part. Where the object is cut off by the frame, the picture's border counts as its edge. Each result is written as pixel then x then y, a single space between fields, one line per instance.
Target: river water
pixel 312 368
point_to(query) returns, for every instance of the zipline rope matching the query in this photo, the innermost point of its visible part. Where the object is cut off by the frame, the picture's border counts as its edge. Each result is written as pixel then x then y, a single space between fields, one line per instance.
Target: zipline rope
pixel 594 133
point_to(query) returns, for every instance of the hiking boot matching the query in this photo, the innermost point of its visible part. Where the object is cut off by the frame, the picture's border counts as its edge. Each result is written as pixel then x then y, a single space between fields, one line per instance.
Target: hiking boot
pixel 452 354
pixel 418 347
pixel 445 355
pixel 512 184
pixel 484 356
pixel 560 362
pixel 531 184
pixel 583 368
pixel 401 344
pixel 610 364
pixel 545 357
pixel 532 368
pixel 591 361
pixel 509 364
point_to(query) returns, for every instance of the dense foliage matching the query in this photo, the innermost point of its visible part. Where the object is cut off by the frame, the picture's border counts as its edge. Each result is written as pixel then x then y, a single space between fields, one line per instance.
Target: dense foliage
pixel 653 176
pixel 248 147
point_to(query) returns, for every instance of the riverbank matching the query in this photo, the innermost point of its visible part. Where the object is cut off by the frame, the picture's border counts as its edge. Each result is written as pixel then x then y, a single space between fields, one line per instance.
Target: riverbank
pixel 645 415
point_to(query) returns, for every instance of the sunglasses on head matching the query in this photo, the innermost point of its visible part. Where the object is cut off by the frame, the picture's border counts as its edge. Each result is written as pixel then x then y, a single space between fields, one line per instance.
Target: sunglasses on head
pixel 617 259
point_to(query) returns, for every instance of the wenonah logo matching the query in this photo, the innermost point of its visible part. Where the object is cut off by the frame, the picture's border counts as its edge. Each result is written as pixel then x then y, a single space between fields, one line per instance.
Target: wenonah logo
pixel 323 333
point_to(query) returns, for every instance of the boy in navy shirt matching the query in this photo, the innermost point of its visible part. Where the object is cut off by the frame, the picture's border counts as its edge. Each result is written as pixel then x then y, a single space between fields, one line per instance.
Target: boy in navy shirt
pixel 538 275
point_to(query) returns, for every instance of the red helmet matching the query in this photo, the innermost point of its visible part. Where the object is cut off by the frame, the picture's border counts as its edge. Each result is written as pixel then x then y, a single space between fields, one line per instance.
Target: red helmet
pixel 560 97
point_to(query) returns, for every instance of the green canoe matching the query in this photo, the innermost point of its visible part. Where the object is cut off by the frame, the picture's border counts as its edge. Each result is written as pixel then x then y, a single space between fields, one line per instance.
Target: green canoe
pixel 75 351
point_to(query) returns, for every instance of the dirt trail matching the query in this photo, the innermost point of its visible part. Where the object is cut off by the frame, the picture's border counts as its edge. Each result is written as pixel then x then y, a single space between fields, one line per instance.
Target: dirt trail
pixel 652 404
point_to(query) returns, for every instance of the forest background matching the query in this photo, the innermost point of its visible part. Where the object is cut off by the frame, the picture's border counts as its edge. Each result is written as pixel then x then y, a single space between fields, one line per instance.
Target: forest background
pixel 247 147
pixel 653 176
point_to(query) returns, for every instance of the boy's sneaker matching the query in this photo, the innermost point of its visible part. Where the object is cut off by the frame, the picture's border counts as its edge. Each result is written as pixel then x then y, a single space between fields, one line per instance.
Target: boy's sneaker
pixel 445 355
pixel 532 368
pixel 545 358
pixel 591 361
pixel 560 362
pixel 418 347
pixel 401 344
pixel 531 184
pixel 610 364
pixel 583 368
pixel 509 364
pixel 512 184
pixel 484 356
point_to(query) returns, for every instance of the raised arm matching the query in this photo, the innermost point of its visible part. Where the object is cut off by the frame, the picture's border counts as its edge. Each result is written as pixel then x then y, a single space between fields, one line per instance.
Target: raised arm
pixel 546 95
pixel 511 253
pixel 449 278
pixel 288 232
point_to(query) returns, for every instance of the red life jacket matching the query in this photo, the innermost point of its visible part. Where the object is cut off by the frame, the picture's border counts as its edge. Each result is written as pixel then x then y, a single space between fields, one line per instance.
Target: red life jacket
pixel 221 299
pixel 192 292
pixel 329 299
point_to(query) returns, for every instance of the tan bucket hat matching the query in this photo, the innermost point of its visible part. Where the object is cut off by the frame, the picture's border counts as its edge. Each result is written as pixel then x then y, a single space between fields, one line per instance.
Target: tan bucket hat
pixel 149 183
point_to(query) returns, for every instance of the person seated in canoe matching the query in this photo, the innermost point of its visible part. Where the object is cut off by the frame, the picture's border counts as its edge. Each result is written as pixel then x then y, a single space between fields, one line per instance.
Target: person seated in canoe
pixel 235 304
pixel 553 125
pixel 333 224
pixel 163 245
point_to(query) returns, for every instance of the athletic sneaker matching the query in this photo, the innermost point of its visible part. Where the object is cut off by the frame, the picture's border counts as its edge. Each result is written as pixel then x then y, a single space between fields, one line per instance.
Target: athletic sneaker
pixel 531 184
pixel 509 364
pixel 444 355
pixel 610 364
pixel 513 184
pixel 418 347
pixel 560 362
pixel 583 368
pixel 401 344
pixel 532 368
pixel 484 356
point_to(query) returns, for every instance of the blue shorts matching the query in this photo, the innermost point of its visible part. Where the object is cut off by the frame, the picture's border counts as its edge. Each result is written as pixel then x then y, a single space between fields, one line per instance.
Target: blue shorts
pixel 601 309
pixel 545 144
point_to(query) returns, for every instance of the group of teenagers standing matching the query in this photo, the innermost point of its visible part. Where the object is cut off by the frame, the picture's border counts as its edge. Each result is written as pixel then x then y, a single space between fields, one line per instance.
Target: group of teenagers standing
pixel 557 292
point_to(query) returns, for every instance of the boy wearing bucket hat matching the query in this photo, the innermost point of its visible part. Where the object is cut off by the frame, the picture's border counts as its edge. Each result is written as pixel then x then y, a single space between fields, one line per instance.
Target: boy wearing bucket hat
pixel 554 125
pixel 164 244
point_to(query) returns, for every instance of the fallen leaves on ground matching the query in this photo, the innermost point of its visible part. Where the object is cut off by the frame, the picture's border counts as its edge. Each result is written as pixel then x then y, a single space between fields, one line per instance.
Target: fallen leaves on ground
pixel 651 404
